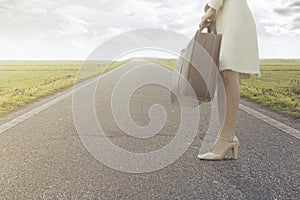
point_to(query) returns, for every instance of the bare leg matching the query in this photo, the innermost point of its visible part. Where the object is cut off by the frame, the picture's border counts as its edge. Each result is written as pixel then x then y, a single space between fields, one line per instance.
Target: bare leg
pixel 232 90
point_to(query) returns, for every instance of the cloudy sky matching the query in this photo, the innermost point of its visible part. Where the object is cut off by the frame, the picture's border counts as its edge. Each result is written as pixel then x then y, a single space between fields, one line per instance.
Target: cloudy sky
pixel 72 29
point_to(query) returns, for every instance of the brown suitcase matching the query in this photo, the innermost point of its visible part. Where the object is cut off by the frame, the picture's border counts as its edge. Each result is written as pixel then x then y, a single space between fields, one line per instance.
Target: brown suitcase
pixel 203 55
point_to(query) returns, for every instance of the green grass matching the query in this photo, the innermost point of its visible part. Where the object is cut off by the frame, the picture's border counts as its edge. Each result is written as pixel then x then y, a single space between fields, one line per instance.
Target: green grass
pixel 24 82
pixel 278 87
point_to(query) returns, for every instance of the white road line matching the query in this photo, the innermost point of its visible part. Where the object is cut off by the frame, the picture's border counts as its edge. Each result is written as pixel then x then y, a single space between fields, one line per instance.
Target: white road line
pixel 283 127
pixel 4 127
pixel 31 113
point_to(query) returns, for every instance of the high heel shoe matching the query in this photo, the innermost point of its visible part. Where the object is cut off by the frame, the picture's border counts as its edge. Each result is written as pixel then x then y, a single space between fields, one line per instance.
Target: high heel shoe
pixel 232 151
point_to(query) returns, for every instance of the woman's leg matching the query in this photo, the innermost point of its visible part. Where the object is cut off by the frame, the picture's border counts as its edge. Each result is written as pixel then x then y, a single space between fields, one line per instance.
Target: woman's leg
pixel 232 89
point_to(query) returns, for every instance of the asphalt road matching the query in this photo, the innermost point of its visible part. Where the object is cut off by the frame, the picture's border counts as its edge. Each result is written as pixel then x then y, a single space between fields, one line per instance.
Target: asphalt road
pixel 44 158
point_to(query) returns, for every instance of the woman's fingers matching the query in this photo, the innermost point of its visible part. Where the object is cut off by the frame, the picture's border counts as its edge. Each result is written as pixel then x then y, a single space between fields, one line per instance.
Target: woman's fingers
pixel 203 21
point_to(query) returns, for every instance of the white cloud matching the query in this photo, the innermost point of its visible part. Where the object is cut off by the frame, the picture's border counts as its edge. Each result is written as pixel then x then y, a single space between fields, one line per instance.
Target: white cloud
pixel 282 17
pixel 9 47
pixel 71 29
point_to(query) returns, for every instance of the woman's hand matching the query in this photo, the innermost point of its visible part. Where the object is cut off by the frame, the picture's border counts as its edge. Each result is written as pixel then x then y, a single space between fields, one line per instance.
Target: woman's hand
pixel 210 14
pixel 203 21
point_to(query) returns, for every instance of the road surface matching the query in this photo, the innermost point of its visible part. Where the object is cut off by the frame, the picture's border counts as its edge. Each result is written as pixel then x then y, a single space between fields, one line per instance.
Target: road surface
pixel 43 157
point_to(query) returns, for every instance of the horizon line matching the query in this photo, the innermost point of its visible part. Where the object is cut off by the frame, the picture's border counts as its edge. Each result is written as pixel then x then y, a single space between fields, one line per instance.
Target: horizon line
pixel 79 60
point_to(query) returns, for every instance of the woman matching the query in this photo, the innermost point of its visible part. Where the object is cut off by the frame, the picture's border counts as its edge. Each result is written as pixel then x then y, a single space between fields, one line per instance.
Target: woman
pixel 238 59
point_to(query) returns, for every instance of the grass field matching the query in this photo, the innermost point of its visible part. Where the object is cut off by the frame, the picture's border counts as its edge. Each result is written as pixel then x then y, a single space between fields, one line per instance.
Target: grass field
pixel 278 87
pixel 23 82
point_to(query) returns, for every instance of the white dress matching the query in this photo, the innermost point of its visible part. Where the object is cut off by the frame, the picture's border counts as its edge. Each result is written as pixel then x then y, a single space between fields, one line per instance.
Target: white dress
pixel 239 48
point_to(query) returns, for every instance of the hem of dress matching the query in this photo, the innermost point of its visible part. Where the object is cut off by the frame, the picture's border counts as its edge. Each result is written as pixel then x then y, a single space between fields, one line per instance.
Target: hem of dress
pixel 243 74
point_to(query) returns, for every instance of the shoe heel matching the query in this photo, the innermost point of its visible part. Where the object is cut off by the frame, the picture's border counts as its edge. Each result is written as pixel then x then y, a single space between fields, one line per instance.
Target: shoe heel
pixel 235 151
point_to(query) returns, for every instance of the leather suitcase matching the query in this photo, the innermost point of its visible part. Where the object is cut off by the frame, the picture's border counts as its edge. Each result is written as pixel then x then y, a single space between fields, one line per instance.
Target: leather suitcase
pixel 200 55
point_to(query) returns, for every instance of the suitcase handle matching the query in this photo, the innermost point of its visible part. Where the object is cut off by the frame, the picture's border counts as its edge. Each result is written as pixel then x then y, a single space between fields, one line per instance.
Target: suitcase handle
pixel 210 25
